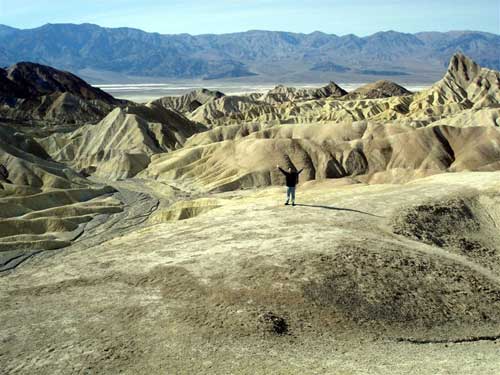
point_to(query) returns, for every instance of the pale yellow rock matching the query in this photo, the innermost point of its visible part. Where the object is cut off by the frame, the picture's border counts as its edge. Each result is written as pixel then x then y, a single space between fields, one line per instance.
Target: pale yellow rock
pixel 121 144
pixel 345 271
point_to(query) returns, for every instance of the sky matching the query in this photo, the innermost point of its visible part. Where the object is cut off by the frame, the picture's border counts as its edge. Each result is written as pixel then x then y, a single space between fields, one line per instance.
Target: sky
pixel 360 17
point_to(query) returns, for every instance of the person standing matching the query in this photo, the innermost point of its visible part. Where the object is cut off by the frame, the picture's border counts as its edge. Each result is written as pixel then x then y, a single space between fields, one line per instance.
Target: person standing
pixel 292 179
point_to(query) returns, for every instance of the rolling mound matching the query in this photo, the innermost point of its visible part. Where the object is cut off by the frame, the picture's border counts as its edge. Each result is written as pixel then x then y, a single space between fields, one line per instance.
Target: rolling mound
pixel 49 219
pixel 224 133
pixel 489 116
pixel 466 224
pixel 329 151
pixel 122 144
pixel 234 109
pixel 44 205
pixel 29 165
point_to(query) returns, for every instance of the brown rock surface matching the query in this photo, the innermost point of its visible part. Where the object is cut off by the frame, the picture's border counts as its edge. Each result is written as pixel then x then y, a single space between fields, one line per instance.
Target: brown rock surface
pixel 33 92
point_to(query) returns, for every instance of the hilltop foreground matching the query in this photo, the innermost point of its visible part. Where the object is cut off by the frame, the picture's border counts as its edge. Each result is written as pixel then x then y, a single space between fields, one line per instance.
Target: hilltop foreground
pixel 153 238
pixel 358 279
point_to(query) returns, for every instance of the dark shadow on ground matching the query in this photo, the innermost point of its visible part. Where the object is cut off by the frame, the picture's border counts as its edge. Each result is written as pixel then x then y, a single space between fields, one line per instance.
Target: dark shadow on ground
pixel 337 209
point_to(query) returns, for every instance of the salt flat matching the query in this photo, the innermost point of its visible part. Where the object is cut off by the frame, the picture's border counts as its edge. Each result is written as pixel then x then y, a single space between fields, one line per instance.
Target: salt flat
pixel 146 92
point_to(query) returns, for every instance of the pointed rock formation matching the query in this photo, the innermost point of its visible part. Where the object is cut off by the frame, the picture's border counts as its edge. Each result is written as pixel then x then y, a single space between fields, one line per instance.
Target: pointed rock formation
pixel 332 90
pixel 465 85
pixel 377 90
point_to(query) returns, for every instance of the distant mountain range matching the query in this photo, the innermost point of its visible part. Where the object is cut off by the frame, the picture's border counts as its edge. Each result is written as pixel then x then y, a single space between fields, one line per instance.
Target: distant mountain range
pixel 110 55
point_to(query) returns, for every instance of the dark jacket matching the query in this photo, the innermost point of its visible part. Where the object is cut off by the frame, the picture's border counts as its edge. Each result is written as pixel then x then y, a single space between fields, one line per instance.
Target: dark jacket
pixel 292 178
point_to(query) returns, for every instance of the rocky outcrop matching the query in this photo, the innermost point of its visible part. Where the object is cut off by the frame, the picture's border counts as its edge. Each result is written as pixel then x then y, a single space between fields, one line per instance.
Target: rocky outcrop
pixel 465 85
pixel 188 102
pixel 34 92
pixel 281 94
pixel 122 144
pixel 33 80
pixel 329 151
pixel 234 109
pixel 377 90
pixel 332 90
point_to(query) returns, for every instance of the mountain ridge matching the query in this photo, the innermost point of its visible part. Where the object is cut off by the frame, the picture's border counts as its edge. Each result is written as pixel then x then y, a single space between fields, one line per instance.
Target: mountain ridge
pixel 316 32
pixel 254 54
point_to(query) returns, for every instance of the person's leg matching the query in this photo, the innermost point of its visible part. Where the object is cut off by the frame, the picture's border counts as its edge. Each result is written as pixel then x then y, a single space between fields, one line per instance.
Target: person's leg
pixel 288 193
pixel 293 195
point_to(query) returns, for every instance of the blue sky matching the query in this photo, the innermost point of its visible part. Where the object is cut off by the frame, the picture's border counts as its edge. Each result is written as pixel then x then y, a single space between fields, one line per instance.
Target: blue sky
pixel 361 17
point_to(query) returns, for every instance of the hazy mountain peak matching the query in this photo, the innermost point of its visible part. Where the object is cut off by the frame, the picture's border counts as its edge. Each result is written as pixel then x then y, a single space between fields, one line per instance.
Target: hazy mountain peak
pixel 275 55
pixel 5 28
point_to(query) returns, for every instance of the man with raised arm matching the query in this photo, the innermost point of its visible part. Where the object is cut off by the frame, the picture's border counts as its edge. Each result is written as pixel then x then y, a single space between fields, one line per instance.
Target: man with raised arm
pixel 292 179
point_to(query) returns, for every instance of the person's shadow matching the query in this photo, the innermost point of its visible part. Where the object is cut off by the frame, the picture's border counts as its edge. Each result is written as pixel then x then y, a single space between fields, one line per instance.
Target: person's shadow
pixel 337 209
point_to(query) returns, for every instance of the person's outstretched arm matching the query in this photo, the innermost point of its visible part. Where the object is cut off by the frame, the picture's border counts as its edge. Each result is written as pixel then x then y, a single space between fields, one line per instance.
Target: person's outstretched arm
pixel 282 171
pixel 299 172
